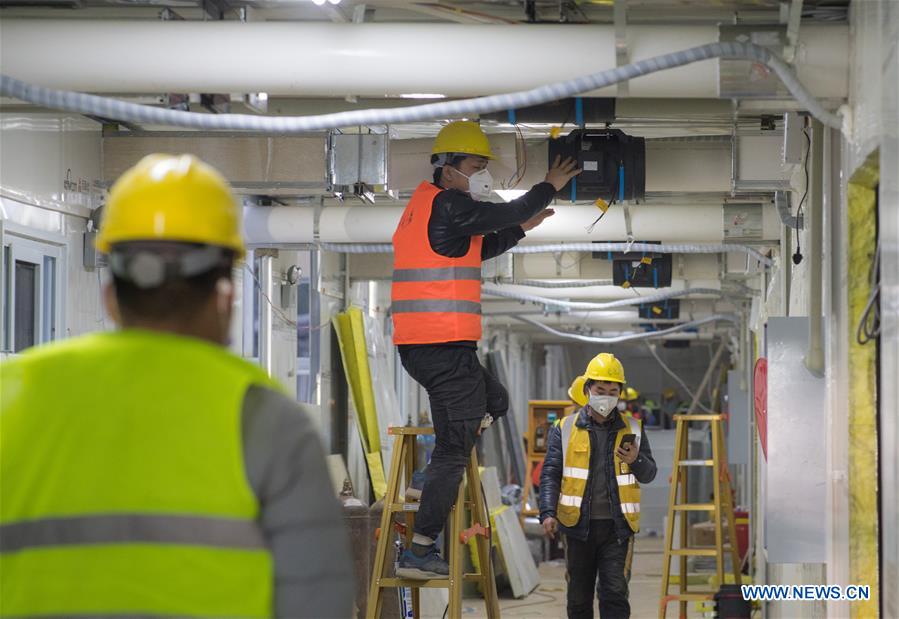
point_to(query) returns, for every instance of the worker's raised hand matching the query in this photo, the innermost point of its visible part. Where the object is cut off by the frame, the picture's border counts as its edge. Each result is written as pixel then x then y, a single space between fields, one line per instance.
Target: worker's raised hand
pixel 561 172
pixel 550 526
pixel 537 219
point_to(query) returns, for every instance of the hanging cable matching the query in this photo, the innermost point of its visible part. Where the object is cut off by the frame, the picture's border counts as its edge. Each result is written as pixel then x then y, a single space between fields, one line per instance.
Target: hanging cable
pixel 494 291
pixel 131 112
pixel 869 325
pixel 670 372
pixel 629 337
pixel 797 257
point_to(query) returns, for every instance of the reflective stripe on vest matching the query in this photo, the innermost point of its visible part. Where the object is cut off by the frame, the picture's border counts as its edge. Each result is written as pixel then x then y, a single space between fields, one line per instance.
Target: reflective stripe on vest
pixel 435 298
pixel 575 471
pixel 438 306
pixel 570 501
pixel 130 529
pixel 440 274
pixel 118 489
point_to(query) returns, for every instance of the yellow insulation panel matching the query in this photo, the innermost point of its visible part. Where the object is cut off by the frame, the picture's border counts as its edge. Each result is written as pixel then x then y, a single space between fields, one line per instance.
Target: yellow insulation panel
pixel 863 455
pixel 359 379
pixel 366 394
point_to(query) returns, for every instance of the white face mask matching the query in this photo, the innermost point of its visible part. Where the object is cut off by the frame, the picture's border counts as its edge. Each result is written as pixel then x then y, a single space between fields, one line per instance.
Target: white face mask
pixel 622 406
pixel 480 184
pixel 603 404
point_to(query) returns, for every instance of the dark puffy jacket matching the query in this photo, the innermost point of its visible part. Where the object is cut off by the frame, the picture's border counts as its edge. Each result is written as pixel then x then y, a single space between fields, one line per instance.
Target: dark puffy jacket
pixel 643 468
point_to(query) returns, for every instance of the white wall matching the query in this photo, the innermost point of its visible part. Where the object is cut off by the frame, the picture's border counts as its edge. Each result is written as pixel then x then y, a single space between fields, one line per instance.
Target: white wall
pixel 36 151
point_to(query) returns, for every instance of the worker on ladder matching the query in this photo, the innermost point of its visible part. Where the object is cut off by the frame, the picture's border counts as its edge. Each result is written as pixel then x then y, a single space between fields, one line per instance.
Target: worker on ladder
pixel 590 490
pixel 446 231
pixel 148 471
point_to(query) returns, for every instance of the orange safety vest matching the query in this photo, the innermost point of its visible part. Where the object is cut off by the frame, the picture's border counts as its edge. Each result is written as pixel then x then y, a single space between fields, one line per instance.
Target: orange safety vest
pixel 436 299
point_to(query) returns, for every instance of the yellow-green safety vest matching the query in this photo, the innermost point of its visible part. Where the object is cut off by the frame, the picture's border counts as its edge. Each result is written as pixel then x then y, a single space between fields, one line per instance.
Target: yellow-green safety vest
pixel 124 489
pixel 576 469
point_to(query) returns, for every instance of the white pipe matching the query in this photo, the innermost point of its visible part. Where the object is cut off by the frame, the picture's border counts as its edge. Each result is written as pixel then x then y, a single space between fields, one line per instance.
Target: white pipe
pixel 814 358
pixel 315 59
pixel 376 224
pixel 609 292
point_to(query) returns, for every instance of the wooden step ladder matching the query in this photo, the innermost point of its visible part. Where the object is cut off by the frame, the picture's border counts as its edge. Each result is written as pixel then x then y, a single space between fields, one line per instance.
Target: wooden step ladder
pixel 721 508
pixel 403 460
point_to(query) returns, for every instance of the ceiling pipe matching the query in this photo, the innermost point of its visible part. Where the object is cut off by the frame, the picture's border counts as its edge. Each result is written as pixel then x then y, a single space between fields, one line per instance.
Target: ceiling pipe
pixel 630 337
pixel 376 224
pixel 314 59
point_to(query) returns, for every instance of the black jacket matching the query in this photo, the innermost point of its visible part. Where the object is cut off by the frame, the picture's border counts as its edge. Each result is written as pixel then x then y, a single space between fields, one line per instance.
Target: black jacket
pixel 643 468
pixel 456 217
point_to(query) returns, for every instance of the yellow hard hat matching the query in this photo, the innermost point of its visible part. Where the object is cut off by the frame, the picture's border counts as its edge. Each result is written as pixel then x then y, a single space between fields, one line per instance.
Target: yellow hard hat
pixel 605 366
pixel 630 394
pixel 576 391
pixel 171 198
pixel 463 136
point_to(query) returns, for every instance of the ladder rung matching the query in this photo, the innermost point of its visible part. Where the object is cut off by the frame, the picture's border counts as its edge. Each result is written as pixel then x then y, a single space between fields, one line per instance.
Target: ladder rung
pixel 695 507
pixel 695 552
pixel 438 583
pixel 696 463
pixel 404 507
pixel 698 417
pixel 693 596
pixel 409 430
pixel 473 577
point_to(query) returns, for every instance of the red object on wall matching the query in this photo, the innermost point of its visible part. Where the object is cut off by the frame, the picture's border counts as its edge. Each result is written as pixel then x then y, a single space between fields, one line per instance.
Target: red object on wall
pixel 760 389
pixel 535 474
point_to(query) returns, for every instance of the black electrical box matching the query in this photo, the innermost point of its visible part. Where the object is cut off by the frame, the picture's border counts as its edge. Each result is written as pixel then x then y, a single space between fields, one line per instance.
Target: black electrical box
pixel 643 272
pixel 613 164
pixel 591 110
pixel 669 308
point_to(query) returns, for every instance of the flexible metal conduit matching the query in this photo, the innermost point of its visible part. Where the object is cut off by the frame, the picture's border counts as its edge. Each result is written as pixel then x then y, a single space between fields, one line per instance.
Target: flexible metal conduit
pixel 562 283
pixel 648 335
pixel 587 306
pixel 665 248
pixel 131 112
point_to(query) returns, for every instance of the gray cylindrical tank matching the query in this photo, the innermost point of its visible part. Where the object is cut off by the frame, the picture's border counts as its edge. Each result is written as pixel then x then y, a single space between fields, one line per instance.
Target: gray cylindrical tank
pixel 355 518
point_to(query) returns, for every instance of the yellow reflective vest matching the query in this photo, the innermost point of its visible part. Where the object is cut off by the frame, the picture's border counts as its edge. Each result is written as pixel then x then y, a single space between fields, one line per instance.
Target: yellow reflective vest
pixel 576 471
pixel 124 487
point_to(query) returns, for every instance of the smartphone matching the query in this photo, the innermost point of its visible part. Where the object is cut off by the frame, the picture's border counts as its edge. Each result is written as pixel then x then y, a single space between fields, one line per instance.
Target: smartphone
pixel 627 438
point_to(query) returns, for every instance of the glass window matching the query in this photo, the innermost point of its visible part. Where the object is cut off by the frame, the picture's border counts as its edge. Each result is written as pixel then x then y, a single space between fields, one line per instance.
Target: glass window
pixel 25 312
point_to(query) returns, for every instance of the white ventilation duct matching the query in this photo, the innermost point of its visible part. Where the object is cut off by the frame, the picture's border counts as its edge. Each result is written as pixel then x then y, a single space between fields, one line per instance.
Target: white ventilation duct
pixel 315 59
pixel 375 224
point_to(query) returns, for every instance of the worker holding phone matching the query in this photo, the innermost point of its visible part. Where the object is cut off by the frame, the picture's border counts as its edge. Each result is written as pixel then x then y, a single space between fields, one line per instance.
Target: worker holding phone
pixel 595 461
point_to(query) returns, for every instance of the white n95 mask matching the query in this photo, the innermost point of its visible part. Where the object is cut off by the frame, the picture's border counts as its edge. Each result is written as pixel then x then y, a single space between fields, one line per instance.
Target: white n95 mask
pixel 480 184
pixel 603 404
pixel 622 406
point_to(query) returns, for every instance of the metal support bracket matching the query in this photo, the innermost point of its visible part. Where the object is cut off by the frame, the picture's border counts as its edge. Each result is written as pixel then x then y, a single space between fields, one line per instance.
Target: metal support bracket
pixel 793 21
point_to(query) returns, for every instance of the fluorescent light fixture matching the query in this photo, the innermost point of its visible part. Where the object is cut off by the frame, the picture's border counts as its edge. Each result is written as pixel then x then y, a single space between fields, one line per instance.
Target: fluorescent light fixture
pixel 334 1
pixel 422 95
pixel 510 194
pixel 318 2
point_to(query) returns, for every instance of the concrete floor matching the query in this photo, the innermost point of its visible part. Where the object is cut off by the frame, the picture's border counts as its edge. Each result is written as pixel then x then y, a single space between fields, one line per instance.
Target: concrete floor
pixel 549 598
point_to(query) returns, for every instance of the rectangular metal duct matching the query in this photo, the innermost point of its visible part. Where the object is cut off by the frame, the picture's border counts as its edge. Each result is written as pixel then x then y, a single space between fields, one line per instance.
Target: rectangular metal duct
pixel 252 164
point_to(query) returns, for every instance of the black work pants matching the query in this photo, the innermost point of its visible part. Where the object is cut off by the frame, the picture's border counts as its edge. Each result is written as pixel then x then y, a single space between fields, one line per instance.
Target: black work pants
pixel 461 392
pixel 601 562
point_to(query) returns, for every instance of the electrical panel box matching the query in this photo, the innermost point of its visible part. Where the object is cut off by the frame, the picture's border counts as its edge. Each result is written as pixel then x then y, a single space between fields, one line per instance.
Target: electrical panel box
pixel 639 272
pixel 669 308
pixel 794 141
pixel 571 110
pixel 613 164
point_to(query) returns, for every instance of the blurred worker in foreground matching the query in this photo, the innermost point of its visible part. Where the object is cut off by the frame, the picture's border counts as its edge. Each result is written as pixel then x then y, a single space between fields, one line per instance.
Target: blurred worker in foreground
pixel 445 233
pixel 590 490
pixel 148 471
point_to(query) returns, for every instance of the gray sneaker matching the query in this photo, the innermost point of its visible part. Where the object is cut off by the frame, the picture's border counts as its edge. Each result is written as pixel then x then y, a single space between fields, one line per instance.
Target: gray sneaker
pixel 428 567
